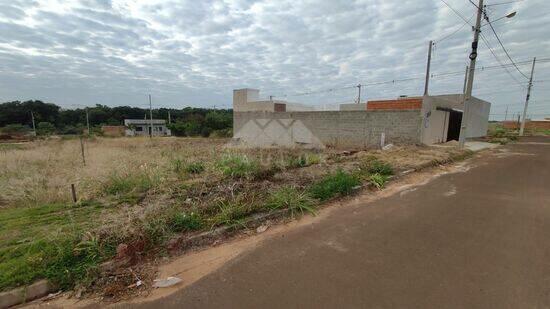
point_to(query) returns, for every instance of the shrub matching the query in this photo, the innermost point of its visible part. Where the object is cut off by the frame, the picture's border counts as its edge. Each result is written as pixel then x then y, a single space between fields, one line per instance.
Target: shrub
pixel 292 199
pixel 237 166
pixel 338 183
pixel 378 180
pixel 45 128
pixel 15 129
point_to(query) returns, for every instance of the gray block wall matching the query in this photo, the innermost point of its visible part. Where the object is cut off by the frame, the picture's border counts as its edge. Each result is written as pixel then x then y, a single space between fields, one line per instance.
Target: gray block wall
pixel 339 129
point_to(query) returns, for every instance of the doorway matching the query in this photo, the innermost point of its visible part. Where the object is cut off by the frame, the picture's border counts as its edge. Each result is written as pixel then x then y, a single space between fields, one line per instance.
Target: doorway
pixel 453 131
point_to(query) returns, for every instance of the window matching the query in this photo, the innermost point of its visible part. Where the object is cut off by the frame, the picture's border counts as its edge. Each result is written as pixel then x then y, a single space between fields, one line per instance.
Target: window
pixel 139 129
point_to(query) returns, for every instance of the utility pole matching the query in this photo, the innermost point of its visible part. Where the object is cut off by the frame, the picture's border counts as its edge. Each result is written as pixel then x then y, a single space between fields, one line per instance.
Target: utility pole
pixel 33 125
pixel 88 121
pixel 426 84
pixel 359 94
pixel 169 119
pixel 527 98
pixel 470 82
pixel 151 116
pixel 465 80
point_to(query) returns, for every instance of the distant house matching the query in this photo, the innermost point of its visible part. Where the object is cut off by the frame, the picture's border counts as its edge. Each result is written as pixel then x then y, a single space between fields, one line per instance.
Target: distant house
pixel 142 127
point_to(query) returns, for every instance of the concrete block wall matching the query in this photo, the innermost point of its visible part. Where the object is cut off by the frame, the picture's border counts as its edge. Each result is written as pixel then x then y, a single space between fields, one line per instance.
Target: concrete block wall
pixel 404 103
pixel 318 129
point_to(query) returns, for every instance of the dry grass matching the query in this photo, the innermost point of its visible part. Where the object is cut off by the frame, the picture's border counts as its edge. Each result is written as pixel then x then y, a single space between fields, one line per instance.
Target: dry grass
pixel 142 191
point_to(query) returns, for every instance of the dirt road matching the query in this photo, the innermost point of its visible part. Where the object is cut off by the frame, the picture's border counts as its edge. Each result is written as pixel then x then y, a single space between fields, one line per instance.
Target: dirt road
pixel 478 239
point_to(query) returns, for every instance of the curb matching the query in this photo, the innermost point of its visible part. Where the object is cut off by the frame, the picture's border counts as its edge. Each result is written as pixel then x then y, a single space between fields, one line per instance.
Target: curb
pixel 24 294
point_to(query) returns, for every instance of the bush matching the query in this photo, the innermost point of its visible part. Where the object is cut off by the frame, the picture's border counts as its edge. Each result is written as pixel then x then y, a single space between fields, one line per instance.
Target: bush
pixel 237 166
pixel 45 128
pixel 15 129
pixel 338 183
pixel 292 199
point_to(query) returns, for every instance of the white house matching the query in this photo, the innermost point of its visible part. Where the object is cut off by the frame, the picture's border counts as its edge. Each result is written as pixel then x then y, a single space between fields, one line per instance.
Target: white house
pixel 142 127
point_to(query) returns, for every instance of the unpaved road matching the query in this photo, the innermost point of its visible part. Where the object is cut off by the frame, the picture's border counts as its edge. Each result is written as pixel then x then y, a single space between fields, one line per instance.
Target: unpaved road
pixel 478 239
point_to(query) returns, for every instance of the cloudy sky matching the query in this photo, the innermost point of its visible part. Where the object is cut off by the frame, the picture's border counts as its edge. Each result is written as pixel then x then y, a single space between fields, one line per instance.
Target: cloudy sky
pixel 194 53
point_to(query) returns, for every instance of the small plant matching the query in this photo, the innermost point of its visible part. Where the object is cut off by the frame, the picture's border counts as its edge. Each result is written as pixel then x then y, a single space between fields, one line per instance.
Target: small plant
pixel 184 222
pixel 378 180
pixel 338 183
pixel 292 199
pixel 194 168
pixel 302 160
pixel 373 165
pixel 120 184
pixel 232 212
pixel 237 166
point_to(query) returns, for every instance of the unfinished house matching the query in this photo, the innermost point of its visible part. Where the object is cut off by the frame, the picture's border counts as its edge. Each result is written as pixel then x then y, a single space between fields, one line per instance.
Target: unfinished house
pixel 418 120
pixel 142 127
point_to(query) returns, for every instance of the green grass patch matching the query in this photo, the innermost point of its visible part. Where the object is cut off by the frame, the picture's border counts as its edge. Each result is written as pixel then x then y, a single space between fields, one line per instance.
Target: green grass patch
pixel 186 222
pixel 46 242
pixel 292 199
pixel 128 188
pixel 302 160
pixel 338 183
pixel 233 212
pixel 237 166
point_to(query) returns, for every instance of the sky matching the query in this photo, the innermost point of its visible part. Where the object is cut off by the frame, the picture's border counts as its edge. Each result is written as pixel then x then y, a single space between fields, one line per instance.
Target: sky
pixel 79 53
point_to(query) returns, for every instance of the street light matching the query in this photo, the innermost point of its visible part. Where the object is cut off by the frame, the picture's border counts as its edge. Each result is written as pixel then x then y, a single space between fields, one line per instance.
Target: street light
pixel 510 15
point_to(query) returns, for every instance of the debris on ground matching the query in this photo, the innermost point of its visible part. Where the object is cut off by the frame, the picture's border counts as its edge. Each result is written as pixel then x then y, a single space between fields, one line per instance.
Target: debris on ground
pixel 261 229
pixel 164 283
pixel 387 147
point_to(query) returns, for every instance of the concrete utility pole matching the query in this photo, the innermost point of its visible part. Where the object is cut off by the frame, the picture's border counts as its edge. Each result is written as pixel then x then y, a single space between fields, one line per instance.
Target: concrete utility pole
pixel 426 84
pixel 169 119
pixel 470 82
pixel 359 94
pixel 33 125
pixel 88 121
pixel 527 98
pixel 151 116
pixel 465 80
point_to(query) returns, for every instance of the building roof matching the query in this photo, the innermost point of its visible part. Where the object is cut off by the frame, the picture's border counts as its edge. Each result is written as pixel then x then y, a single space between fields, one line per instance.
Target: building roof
pixel 143 121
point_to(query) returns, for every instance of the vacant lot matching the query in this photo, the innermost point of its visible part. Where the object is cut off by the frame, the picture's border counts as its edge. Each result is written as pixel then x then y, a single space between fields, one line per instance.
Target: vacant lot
pixel 141 192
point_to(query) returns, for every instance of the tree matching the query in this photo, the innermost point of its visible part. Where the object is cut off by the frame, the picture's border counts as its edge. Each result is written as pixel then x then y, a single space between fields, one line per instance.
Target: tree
pixel 45 128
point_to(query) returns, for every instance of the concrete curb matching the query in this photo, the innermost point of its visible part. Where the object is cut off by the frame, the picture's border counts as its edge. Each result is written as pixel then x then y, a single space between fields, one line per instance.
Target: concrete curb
pixel 24 294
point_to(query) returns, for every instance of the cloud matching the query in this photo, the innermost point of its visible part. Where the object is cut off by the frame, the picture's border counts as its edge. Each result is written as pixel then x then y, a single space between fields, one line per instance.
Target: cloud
pixel 195 52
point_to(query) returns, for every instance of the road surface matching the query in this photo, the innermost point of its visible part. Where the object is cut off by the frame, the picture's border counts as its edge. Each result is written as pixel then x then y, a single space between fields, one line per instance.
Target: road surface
pixel 477 239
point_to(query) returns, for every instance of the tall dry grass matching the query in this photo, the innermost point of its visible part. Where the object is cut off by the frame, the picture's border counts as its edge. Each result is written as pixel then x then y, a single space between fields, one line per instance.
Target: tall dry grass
pixel 41 172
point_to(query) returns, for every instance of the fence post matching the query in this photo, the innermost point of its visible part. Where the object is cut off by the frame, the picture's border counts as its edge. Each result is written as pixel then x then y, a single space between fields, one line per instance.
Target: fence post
pixel 73 191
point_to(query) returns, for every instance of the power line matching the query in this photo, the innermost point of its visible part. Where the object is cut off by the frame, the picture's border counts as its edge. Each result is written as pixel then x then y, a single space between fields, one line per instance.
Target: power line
pixel 503 48
pixel 498 60
pixel 455 11
pixel 456 31
pixel 501 3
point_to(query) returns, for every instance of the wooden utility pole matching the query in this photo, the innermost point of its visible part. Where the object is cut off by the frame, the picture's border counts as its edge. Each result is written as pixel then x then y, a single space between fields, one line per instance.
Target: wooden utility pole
pixel 151 116
pixel 82 150
pixel 88 121
pixel 522 127
pixel 427 82
pixel 470 82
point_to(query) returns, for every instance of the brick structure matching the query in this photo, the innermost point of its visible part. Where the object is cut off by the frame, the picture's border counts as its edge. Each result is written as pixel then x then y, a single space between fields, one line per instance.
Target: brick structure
pixel 530 124
pixel 399 104
pixel 113 131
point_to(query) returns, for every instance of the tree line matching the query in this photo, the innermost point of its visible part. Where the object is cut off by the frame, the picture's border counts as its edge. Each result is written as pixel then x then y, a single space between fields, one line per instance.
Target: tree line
pixel 50 118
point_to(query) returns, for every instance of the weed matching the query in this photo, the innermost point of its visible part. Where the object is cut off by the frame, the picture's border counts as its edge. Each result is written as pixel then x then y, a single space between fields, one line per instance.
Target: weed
pixel 302 160
pixel 232 212
pixel 119 184
pixel 194 168
pixel 184 222
pixel 372 165
pixel 237 166
pixel 338 183
pixel 378 180
pixel 292 199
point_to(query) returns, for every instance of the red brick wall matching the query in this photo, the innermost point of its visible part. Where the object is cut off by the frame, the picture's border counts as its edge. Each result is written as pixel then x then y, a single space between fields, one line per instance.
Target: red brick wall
pixel 113 130
pixel 528 124
pixel 411 103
